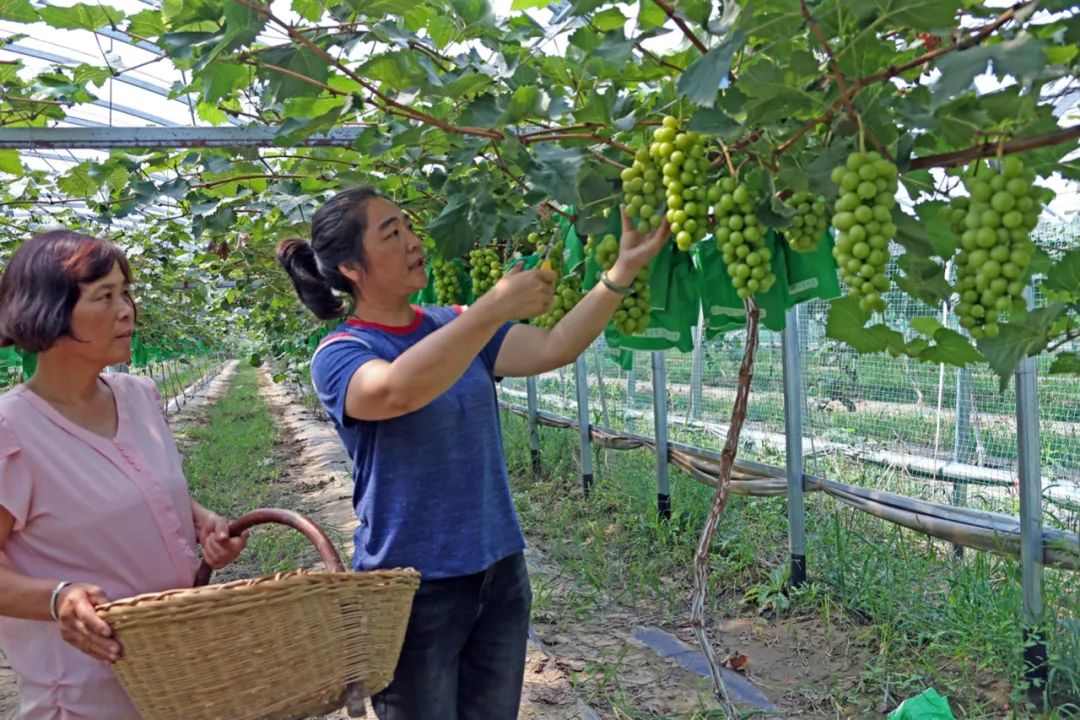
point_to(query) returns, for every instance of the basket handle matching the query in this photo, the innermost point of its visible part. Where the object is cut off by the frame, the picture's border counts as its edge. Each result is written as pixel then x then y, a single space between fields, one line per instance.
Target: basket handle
pixel 262 516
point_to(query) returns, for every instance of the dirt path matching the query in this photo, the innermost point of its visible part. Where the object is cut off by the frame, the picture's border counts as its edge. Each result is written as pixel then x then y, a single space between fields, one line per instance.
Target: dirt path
pixel 198 400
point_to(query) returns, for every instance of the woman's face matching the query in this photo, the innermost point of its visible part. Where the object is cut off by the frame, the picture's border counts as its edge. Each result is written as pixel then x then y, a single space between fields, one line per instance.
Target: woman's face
pixel 395 256
pixel 102 321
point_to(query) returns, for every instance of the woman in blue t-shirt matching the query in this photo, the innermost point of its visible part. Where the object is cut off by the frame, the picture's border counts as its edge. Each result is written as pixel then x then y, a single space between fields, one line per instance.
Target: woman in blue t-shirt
pixel 412 394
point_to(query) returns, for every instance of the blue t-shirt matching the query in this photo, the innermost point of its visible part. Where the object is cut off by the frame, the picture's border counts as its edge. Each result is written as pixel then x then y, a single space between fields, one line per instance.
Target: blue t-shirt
pixel 430 488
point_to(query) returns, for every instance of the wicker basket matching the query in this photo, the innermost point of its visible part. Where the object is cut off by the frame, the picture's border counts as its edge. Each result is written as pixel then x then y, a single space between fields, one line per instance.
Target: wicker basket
pixel 279 647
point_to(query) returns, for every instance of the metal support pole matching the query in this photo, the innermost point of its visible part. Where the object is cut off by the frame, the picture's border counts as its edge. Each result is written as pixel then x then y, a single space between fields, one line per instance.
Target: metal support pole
pixel 631 392
pixel 660 422
pixel 793 433
pixel 534 433
pixel 1036 669
pixel 581 385
pixel 962 443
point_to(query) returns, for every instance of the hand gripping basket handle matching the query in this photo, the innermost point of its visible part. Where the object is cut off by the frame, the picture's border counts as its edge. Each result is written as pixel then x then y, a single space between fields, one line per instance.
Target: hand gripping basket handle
pixel 311 531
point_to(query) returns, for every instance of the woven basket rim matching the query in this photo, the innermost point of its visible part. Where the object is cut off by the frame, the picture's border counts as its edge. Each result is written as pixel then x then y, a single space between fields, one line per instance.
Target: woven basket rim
pixel 261 584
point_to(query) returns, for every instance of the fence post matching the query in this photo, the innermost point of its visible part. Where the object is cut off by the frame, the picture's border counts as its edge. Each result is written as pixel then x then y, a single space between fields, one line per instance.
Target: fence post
pixel 1036 670
pixel 534 433
pixel 697 368
pixel 962 442
pixel 631 391
pixel 660 423
pixel 793 434
pixel 581 386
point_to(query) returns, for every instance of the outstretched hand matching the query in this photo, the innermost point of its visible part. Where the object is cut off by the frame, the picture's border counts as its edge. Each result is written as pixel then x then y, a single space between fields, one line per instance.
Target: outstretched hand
pixel 637 248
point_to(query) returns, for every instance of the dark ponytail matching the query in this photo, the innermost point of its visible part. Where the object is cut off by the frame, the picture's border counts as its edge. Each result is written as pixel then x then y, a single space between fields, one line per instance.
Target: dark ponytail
pixel 337 238
pixel 298 259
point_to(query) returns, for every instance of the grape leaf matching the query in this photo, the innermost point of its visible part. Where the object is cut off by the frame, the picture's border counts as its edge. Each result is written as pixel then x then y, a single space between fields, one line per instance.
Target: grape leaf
pixel 80 16
pixel 1064 275
pixel 926 324
pixel 708 74
pixel 911 234
pixel 1023 57
pixel 715 123
pixel 1067 363
pixel 10 162
pixel 923 279
pixel 1017 340
pixel 555 172
pixel 17 10
pixel 952 348
pixel 934 219
pixel 846 323
pixel 300 60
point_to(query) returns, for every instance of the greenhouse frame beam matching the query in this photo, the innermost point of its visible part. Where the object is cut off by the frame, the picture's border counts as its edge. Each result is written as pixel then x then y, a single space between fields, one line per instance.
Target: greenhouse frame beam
pixel 107 138
pixel 19 49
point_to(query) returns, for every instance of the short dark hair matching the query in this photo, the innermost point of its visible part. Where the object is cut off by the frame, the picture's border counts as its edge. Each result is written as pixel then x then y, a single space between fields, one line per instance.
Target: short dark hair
pixel 40 285
pixel 337 238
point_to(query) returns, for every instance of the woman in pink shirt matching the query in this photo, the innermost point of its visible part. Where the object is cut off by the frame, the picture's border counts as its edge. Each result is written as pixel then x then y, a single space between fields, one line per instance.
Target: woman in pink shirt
pixel 93 501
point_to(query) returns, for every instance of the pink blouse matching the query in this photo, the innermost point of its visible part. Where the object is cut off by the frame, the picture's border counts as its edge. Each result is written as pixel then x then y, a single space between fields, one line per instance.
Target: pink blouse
pixel 115 513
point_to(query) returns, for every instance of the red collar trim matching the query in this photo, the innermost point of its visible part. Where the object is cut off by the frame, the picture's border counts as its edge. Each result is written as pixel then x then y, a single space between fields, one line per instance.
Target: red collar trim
pixel 394 329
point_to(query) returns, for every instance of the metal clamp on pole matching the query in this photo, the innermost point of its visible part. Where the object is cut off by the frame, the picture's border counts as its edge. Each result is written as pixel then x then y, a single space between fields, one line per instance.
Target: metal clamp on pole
pixel 793 434
pixel 534 432
pixel 581 386
pixel 660 422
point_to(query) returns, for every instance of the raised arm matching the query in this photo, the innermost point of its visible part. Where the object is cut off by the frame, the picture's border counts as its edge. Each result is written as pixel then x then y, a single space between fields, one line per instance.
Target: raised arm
pixel 528 350
pixel 379 389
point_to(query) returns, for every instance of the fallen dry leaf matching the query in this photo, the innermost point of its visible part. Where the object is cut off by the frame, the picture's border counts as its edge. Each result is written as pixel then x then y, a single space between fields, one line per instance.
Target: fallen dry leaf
pixel 736 661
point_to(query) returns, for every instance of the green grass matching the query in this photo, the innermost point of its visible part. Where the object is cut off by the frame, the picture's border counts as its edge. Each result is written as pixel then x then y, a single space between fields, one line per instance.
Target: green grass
pixel 931 621
pixel 233 463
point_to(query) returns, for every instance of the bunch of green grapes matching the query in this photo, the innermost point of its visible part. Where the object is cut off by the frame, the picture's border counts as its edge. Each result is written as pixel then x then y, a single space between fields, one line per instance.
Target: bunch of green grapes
pixel 863 219
pixel 607 251
pixel 643 193
pixel 681 157
pixel 632 315
pixel 567 295
pixel 555 257
pixel 448 289
pixel 741 238
pixel 956 212
pixel 992 266
pixel 484 269
pixel 810 221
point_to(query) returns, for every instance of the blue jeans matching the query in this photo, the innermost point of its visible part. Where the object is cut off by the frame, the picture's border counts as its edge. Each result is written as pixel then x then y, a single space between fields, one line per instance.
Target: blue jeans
pixel 464 651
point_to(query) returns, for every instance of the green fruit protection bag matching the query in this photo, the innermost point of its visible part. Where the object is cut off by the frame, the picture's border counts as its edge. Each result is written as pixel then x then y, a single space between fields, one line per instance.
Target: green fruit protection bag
pixel 676 300
pixel 723 308
pixel 139 354
pixel 813 274
pixel 930 705
pixel 427 295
